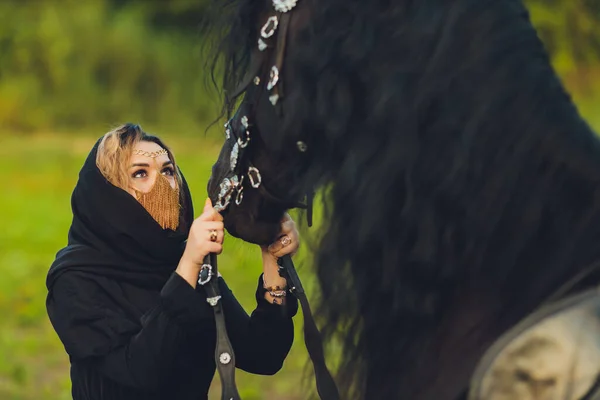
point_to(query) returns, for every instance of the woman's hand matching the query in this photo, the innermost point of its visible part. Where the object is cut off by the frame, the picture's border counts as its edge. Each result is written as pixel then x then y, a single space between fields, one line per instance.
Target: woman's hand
pixel 287 243
pixel 205 237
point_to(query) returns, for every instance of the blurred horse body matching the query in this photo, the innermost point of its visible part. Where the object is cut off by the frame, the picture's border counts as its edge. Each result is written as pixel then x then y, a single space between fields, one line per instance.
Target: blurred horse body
pixel 460 182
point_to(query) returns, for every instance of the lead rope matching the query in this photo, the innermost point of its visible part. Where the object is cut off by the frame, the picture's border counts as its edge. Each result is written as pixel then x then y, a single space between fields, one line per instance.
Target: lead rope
pixel 326 386
pixel 224 355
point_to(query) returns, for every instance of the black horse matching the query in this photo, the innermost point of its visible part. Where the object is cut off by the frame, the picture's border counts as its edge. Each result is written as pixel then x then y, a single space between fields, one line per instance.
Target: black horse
pixel 460 183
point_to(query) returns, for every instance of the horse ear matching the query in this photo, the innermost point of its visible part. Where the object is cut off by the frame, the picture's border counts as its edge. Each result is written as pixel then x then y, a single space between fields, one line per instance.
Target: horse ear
pixel 554 351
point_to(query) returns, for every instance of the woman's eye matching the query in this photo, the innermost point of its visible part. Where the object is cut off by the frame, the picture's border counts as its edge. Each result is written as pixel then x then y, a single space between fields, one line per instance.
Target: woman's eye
pixel 139 174
pixel 168 171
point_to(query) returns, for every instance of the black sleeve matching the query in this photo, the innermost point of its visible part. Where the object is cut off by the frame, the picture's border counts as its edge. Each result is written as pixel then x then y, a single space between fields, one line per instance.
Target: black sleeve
pixel 133 353
pixel 262 340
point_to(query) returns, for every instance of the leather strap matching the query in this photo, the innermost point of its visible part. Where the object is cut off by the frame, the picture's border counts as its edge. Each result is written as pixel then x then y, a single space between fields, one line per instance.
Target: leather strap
pixel 224 355
pixel 256 64
pixel 284 23
pixel 326 386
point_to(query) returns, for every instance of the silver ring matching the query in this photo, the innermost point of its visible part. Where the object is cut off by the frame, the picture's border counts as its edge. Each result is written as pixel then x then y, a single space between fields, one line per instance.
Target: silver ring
pixel 285 240
pixel 213 235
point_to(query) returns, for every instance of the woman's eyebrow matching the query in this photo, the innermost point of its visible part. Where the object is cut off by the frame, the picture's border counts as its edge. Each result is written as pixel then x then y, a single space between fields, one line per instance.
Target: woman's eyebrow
pixel 148 165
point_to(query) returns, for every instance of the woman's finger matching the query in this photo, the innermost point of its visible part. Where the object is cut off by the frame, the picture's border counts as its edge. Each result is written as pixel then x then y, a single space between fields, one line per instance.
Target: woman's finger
pixel 279 245
pixel 210 215
pixel 291 249
pixel 205 226
pixel 214 247
pixel 287 227
pixel 220 237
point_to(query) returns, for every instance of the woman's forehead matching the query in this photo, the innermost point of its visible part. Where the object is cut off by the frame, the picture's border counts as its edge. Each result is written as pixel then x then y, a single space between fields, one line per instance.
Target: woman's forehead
pixel 149 153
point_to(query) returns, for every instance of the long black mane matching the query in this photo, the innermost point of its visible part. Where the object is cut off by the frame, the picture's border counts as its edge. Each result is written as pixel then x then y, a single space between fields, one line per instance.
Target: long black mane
pixel 462 183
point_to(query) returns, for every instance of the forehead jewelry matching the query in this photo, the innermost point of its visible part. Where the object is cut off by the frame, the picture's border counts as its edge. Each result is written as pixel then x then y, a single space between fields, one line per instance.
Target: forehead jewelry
pixel 151 154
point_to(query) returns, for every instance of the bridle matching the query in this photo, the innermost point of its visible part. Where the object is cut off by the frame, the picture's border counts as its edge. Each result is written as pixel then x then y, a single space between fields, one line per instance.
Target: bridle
pixel 243 174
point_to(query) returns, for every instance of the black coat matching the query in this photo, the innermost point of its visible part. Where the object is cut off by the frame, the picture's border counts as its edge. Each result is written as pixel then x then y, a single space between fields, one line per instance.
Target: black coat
pixel 134 329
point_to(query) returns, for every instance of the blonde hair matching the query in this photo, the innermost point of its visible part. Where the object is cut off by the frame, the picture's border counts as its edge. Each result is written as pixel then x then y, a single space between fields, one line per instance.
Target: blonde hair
pixel 115 150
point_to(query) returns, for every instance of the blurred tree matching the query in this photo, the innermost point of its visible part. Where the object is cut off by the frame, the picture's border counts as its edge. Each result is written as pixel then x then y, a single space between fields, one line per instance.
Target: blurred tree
pixel 571 31
pixel 69 63
pixel 73 64
pixel 179 15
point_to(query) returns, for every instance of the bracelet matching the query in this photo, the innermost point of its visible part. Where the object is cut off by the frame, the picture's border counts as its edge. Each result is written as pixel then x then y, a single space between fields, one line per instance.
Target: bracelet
pixel 272 288
pixel 280 293
pixel 276 292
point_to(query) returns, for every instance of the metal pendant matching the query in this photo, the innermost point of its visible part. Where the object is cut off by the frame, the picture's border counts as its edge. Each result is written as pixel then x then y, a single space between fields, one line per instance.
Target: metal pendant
pixel 245 142
pixel 227 187
pixel 261 44
pixel 240 196
pixel 273 77
pixel 224 358
pixel 302 147
pixel 213 301
pixel 205 274
pixel 233 157
pixel 273 98
pixel 227 130
pixel 254 181
pixel 284 5
pixel 269 27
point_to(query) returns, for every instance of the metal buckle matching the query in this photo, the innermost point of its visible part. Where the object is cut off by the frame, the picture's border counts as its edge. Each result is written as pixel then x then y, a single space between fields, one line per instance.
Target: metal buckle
pixel 255 184
pixel 213 300
pixel 224 358
pixel 239 196
pixel 233 157
pixel 206 274
pixel 269 27
pixel 244 143
pixel 273 77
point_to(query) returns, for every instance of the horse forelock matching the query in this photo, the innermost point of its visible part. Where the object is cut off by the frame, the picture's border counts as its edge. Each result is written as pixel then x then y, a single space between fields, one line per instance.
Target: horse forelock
pixel 456 163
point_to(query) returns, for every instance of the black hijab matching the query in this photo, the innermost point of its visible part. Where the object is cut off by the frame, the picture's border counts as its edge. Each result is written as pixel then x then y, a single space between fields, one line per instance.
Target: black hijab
pixel 113 236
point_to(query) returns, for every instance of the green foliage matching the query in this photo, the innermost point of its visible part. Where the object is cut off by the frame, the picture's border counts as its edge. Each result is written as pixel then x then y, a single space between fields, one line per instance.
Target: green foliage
pixel 569 29
pixel 96 64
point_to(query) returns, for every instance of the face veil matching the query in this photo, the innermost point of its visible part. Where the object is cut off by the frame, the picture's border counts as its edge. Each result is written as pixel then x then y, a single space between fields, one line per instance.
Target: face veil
pixel 162 203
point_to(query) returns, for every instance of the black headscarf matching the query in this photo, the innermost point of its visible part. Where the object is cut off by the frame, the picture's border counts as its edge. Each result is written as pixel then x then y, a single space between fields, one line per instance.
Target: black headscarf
pixel 113 236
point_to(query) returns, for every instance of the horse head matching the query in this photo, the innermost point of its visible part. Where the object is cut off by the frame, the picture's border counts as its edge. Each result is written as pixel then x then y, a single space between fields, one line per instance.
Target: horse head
pixel 261 171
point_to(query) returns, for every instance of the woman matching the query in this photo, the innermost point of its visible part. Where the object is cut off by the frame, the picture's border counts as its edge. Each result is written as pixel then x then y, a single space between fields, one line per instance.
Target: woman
pixel 123 295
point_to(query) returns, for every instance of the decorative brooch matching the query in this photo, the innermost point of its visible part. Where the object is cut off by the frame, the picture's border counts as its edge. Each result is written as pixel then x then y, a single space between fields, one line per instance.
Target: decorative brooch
pixel 284 5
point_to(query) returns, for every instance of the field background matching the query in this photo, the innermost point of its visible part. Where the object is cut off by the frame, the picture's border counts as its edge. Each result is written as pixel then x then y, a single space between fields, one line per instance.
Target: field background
pixel 69 71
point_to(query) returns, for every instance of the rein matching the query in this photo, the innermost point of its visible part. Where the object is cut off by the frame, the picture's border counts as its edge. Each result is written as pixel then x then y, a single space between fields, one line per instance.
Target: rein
pixel 224 353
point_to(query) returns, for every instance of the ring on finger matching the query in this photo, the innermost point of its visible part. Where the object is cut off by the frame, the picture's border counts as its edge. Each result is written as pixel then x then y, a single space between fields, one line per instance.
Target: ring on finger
pixel 285 240
pixel 213 235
